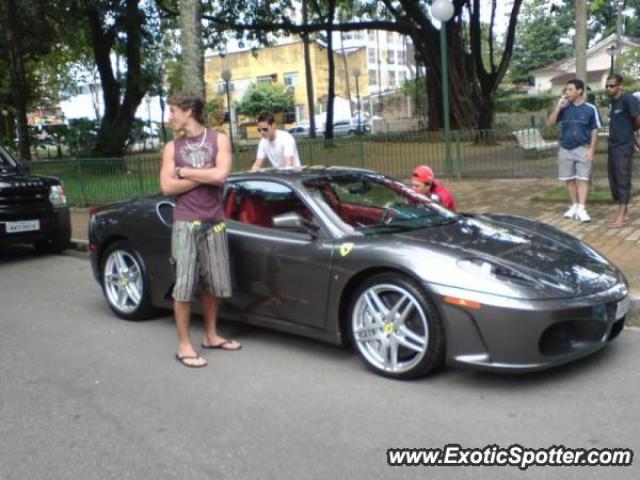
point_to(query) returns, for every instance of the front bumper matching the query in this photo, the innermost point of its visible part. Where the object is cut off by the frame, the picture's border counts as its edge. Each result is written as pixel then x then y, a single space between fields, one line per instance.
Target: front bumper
pixel 55 223
pixel 511 335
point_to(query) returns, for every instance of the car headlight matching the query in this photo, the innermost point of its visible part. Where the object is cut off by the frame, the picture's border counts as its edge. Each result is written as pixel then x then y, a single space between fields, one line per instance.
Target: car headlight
pixel 57 196
pixel 492 271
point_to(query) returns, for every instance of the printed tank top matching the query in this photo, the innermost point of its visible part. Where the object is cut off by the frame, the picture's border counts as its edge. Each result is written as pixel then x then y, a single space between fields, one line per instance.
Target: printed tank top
pixel 204 202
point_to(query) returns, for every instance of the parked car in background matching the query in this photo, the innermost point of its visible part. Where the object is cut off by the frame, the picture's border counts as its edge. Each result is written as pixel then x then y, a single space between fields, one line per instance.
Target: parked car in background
pixel 33 208
pixel 340 128
pixel 300 131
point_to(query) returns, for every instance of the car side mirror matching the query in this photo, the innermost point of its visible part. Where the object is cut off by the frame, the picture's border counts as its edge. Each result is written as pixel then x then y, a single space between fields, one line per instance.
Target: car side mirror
pixel 294 221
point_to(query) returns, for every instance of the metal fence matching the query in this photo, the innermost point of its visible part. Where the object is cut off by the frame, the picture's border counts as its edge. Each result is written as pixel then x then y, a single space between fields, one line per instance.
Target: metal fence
pixel 473 154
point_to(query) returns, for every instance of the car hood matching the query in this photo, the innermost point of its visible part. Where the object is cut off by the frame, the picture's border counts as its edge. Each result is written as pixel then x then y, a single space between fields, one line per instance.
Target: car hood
pixel 559 264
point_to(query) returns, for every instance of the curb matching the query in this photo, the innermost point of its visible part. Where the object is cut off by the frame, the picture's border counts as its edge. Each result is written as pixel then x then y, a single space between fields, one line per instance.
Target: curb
pixel 81 245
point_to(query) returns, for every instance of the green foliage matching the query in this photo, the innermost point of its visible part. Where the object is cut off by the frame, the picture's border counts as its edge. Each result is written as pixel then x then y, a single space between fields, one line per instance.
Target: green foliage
pixel 81 137
pixel 604 17
pixel 538 40
pixel 214 111
pixel 519 102
pixel 631 63
pixel 267 97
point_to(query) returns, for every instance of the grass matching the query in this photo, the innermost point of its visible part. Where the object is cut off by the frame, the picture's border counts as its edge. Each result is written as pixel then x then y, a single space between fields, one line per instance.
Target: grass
pixel 597 194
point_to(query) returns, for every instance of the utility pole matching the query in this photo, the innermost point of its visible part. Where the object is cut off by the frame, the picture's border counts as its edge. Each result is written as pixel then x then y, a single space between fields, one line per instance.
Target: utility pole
pixel 581 40
pixel 619 27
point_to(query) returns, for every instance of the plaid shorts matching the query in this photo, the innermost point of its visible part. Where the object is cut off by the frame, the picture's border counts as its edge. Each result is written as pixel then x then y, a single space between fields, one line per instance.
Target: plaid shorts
pixel 573 164
pixel 201 257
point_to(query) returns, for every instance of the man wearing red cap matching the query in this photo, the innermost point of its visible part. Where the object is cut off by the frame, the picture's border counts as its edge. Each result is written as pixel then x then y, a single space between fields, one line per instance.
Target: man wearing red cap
pixel 423 182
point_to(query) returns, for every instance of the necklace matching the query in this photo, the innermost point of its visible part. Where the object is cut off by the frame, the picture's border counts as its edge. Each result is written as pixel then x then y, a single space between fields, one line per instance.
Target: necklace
pixel 193 146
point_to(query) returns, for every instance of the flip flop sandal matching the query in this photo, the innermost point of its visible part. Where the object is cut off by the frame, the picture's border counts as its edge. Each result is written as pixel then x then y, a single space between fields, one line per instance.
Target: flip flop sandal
pixel 221 346
pixel 184 361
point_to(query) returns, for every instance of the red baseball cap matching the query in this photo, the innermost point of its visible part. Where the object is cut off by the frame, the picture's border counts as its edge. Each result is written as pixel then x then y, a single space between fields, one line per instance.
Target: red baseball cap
pixel 423 174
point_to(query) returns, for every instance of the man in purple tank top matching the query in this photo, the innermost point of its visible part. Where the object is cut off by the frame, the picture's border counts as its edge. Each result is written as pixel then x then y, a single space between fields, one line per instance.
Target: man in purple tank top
pixel 194 169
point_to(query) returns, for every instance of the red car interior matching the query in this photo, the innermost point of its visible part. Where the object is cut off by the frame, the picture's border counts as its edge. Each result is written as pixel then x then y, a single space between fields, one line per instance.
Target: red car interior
pixel 256 210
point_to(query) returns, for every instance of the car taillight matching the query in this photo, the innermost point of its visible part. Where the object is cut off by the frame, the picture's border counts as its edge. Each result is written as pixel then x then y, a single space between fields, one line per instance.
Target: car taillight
pixel 93 209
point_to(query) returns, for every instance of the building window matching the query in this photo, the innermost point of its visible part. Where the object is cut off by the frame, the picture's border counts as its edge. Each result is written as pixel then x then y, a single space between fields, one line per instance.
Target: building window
pixel 402 57
pixel 390 37
pixel 299 113
pixel 391 58
pixel 392 78
pixel 290 79
pixel 371 52
pixel 267 78
pixel 372 35
pixel 220 87
pixel 402 76
pixel 373 78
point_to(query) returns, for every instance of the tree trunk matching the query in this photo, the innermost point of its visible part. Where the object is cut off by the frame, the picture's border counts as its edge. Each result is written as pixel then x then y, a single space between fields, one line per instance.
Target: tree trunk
pixel 470 83
pixel 328 125
pixel 347 82
pixel 19 87
pixel 191 45
pixel 118 115
pixel 308 72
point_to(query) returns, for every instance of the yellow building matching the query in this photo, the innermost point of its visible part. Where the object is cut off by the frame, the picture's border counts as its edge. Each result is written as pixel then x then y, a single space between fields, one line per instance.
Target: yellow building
pixel 284 64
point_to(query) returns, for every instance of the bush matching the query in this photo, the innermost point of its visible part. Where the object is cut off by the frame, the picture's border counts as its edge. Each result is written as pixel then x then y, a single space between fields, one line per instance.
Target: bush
pixel 81 137
pixel 524 103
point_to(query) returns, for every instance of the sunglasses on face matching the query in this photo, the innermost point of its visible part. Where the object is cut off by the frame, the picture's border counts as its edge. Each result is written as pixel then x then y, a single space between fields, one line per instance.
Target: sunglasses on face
pixel 264 130
pixel 611 85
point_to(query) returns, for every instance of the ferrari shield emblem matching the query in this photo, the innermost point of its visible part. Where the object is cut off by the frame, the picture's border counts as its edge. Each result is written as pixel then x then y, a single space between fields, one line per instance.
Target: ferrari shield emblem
pixel 345 248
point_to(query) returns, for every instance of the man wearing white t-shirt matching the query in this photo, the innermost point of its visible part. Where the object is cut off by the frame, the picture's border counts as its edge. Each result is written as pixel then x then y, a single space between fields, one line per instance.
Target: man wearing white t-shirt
pixel 276 145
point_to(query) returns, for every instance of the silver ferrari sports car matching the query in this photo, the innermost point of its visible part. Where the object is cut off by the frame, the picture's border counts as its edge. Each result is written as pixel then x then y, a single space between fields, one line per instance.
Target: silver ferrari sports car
pixel 353 256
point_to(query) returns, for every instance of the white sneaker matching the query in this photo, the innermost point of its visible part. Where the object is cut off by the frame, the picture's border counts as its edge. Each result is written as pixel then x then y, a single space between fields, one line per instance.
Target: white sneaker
pixel 571 213
pixel 581 215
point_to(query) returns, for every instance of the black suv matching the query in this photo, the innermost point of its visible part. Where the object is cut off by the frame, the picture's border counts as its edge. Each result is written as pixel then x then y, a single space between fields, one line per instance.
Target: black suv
pixel 33 209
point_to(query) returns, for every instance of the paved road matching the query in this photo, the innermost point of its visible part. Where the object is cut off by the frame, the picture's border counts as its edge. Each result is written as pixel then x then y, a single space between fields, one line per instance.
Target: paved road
pixel 85 395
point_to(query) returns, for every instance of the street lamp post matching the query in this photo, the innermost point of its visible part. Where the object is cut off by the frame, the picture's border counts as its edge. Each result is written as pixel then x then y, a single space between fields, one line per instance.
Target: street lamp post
pixel 147 100
pixel 356 73
pixel 226 76
pixel 442 10
pixel 612 51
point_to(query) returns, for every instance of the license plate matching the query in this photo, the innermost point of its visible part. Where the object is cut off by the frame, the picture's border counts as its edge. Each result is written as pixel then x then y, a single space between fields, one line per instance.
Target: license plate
pixel 623 307
pixel 22 226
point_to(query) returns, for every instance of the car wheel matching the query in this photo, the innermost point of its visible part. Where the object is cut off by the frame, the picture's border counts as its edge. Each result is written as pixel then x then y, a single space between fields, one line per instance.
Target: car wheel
pixel 395 327
pixel 53 245
pixel 125 282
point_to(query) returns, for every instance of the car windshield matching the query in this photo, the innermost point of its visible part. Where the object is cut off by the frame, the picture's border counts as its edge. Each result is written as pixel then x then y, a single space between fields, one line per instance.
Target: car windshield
pixel 371 203
pixel 6 160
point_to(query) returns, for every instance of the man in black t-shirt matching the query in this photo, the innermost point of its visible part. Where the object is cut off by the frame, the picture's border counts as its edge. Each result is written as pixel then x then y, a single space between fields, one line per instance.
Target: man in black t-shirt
pixel 624 119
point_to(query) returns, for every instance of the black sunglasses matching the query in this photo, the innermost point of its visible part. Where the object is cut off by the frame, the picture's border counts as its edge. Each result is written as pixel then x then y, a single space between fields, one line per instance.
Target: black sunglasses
pixel 265 129
pixel 611 85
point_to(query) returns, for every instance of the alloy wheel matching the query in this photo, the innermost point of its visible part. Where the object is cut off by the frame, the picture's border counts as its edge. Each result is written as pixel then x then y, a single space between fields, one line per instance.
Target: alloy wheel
pixel 123 281
pixel 390 328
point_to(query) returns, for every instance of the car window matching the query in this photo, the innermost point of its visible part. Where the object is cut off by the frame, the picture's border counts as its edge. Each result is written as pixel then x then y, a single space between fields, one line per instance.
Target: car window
pixel 374 204
pixel 256 202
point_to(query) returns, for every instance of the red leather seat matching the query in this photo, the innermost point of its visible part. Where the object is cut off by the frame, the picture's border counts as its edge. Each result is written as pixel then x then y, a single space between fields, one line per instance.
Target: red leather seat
pixel 256 211
pixel 230 210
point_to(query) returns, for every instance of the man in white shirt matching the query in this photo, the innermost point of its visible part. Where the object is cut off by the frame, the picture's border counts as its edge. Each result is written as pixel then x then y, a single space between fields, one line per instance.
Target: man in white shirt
pixel 276 145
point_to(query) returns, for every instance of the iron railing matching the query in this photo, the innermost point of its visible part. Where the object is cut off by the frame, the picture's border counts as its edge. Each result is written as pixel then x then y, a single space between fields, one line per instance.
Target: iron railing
pixel 474 154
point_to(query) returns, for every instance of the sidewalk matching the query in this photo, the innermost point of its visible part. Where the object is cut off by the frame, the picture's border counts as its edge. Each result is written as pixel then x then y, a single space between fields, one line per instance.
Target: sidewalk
pixel 621 246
